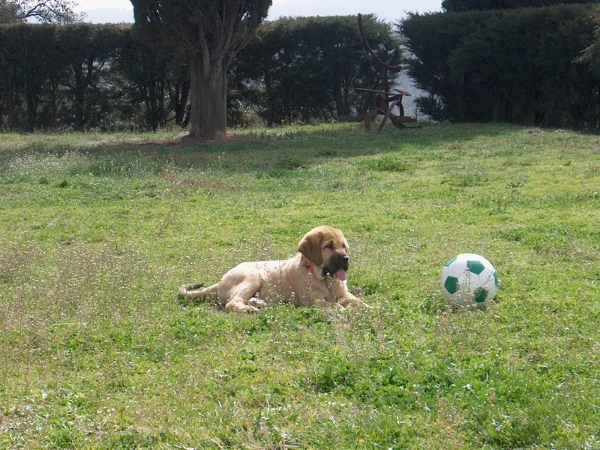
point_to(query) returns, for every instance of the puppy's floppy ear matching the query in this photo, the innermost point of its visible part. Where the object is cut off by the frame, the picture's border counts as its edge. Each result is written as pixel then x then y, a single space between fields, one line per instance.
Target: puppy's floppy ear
pixel 310 247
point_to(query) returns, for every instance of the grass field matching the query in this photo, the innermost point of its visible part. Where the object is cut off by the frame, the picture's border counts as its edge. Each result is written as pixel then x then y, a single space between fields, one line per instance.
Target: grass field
pixel 97 231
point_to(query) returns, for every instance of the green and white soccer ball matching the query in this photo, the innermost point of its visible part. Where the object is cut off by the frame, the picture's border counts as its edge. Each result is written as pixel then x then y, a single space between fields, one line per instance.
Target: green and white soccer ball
pixel 469 280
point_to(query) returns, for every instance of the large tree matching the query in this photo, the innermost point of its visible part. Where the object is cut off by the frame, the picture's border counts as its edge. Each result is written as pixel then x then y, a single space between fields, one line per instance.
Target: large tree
pixel 210 33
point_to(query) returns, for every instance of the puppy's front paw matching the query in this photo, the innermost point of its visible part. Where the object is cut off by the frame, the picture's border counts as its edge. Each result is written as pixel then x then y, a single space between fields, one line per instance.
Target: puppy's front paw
pixel 354 303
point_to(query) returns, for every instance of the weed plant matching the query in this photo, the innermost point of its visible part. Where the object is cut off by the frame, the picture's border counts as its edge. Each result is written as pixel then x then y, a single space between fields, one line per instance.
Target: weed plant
pixel 97 231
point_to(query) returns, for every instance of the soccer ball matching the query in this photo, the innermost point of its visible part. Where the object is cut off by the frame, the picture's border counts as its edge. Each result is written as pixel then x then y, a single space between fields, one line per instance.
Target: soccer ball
pixel 469 280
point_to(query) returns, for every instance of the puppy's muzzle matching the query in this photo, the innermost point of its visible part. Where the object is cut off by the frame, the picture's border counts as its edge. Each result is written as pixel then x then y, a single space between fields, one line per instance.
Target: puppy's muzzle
pixel 337 266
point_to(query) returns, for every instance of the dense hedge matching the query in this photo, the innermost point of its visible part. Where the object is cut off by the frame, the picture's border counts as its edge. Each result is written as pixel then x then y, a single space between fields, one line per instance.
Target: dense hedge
pixel 86 76
pixel 514 65
pixel 303 69
pixel 520 65
pixel 482 5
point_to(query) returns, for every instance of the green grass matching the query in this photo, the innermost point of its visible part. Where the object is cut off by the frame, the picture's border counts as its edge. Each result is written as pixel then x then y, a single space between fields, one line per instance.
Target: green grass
pixel 97 231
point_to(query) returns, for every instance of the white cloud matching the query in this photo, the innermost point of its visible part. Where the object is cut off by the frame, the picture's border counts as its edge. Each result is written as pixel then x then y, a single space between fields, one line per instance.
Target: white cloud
pixel 87 5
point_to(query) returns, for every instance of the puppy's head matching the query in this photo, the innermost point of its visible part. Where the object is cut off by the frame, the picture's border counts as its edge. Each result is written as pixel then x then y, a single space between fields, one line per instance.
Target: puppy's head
pixel 327 249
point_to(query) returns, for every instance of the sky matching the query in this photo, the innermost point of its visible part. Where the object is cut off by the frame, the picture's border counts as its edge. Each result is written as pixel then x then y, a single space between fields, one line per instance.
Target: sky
pixel 104 11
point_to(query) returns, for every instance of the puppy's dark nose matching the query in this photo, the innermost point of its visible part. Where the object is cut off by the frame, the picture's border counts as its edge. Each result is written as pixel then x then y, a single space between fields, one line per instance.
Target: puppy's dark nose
pixel 346 259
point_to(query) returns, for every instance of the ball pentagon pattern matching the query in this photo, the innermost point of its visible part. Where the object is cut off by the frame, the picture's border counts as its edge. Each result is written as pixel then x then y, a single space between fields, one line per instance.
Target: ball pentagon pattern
pixel 469 280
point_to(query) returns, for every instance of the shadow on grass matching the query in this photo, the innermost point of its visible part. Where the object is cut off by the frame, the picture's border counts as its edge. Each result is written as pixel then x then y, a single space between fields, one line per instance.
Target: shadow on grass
pixel 259 150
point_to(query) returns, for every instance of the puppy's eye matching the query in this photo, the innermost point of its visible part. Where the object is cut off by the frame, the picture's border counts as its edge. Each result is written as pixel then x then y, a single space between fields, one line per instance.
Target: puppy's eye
pixel 329 246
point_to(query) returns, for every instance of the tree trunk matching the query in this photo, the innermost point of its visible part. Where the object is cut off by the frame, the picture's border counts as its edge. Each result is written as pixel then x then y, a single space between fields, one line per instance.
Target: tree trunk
pixel 78 97
pixel 179 97
pixel 208 98
pixel 31 100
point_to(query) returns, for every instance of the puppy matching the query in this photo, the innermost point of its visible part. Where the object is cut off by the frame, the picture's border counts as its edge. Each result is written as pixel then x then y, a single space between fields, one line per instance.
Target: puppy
pixel 316 275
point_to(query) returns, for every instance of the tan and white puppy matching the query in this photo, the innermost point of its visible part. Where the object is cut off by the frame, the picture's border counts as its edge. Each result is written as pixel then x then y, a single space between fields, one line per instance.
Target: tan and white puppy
pixel 316 275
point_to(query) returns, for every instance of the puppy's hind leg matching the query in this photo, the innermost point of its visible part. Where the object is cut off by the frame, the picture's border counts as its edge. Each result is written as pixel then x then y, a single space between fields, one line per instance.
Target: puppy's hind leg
pixel 241 294
pixel 194 291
